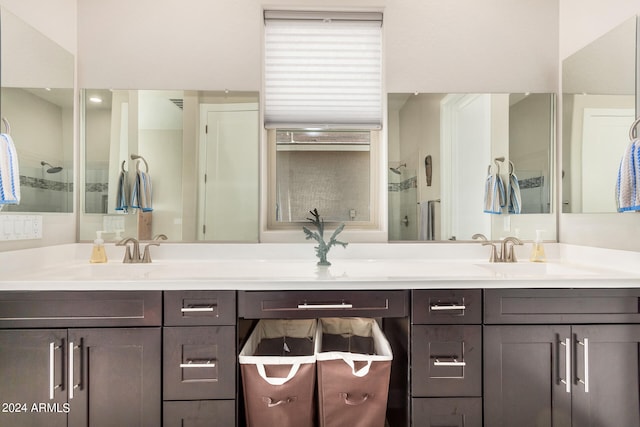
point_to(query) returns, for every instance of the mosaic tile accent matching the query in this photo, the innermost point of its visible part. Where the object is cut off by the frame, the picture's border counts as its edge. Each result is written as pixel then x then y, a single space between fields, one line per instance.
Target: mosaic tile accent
pixel 534 182
pixel 404 185
pixel 97 187
pixel 45 184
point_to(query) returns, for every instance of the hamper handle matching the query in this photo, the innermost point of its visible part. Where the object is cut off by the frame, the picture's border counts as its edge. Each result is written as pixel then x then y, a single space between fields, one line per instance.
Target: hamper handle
pixel 351 402
pixel 360 372
pixel 277 380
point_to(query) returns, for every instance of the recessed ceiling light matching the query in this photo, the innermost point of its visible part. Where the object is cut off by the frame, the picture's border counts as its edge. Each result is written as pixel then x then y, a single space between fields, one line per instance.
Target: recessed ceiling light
pixel 95 99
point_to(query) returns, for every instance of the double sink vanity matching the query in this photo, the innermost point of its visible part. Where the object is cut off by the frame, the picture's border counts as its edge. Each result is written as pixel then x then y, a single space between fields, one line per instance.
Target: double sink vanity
pixel 474 343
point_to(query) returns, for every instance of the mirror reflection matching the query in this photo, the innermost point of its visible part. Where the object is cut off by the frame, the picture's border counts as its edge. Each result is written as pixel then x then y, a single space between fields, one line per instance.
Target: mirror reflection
pixel 36 99
pixel 179 163
pixel 599 86
pixel 445 148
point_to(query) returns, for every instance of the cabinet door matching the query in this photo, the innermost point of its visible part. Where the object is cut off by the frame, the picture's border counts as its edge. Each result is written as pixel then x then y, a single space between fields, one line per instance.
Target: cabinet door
pixel 606 376
pixel 116 377
pixel 31 374
pixel 525 374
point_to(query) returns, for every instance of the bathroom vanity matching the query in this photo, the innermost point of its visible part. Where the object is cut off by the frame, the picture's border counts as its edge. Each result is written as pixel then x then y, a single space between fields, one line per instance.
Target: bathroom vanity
pixel 474 344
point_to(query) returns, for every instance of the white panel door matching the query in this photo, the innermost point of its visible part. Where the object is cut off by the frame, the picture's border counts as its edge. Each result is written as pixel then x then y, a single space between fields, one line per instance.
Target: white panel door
pixel 229 173
pixel 605 137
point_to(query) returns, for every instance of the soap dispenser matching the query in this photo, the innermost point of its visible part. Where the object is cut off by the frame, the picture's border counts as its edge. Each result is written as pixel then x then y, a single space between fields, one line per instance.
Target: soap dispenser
pixel 537 251
pixel 98 253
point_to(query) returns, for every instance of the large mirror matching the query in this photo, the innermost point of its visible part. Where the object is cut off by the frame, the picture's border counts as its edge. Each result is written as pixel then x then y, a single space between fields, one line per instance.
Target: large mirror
pixel 449 152
pixel 36 101
pixel 599 106
pixel 183 164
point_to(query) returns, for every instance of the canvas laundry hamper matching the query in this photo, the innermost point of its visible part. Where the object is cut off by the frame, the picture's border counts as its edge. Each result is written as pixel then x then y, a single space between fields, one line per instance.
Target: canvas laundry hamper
pixel 354 366
pixel 278 367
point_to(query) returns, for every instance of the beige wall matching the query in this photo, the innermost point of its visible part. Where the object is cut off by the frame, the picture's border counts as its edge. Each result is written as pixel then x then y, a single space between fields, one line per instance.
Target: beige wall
pixel 453 46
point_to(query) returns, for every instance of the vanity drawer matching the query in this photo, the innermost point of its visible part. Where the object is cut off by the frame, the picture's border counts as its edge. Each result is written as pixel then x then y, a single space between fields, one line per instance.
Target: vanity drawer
pixel 199 413
pixel 446 306
pixel 62 309
pixel 562 306
pixel 447 412
pixel 446 360
pixel 193 308
pixel 312 304
pixel 199 362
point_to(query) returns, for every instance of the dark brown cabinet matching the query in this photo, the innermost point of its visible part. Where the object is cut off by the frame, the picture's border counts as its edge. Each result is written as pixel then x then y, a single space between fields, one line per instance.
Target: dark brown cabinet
pixel 199 359
pixel 525 376
pixel 446 358
pixel 31 373
pixel 80 377
pixel 566 373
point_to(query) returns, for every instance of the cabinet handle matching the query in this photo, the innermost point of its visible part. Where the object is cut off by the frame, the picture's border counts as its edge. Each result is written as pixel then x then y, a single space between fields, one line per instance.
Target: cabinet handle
pixel 567 364
pixel 199 363
pixel 196 309
pixel 451 307
pixel 72 385
pixel 452 362
pixel 52 370
pixel 585 344
pixel 306 306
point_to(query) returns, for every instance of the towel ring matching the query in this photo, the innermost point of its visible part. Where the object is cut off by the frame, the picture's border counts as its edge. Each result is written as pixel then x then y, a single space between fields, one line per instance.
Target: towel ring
pixel 632 132
pixel 511 167
pixel 122 166
pixel 146 165
pixel 6 125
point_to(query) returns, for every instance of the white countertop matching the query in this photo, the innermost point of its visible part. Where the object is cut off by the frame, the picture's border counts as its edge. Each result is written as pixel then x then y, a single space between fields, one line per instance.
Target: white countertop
pixel 293 267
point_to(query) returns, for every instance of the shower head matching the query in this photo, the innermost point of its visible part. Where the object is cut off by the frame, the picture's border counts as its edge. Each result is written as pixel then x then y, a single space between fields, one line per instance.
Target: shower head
pixel 52 169
pixel 396 170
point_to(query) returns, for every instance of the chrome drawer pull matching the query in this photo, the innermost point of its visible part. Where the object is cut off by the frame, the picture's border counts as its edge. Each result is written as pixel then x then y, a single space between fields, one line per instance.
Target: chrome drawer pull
pixel 52 370
pixel 452 362
pixel 567 364
pixel 436 307
pixel 72 384
pixel 585 344
pixel 306 306
pixel 208 308
pixel 199 363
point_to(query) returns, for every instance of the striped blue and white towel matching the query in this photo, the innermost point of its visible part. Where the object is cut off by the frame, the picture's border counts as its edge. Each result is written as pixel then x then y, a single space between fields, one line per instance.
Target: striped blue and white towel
pixel 141 195
pixel 515 198
pixel 122 196
pixel 494 194
pixel 9 172
pixel 628 182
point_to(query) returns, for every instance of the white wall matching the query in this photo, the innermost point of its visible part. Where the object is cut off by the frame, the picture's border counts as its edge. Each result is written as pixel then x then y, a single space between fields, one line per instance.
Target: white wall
pixel 582 21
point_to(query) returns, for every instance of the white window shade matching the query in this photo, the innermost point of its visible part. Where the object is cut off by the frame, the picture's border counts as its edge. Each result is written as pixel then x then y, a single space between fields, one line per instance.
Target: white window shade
pixel 323 73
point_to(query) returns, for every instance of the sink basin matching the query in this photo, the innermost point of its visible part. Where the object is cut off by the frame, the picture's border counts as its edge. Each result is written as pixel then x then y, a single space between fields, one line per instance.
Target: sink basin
pixel 537 269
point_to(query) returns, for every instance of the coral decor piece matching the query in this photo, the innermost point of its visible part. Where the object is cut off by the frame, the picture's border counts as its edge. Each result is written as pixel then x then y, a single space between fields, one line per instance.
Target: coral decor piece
pixel 323 248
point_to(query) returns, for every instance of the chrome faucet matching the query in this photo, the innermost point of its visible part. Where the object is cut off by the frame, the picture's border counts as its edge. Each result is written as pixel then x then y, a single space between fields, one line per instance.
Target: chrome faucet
pixel 129 257
pixel 507 251
pixel 134 257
